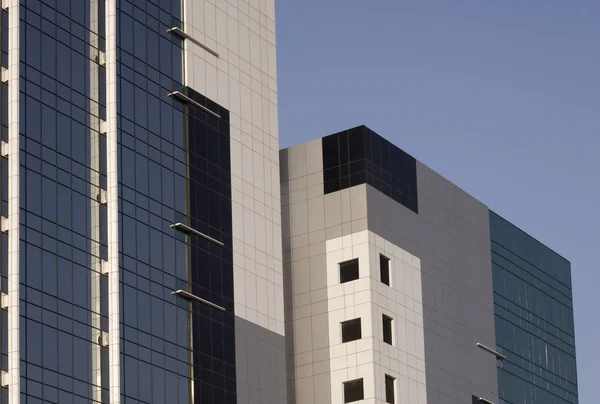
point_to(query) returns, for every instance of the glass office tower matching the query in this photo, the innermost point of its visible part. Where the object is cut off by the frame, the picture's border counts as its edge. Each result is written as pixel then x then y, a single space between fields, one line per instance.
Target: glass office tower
pixel 141 230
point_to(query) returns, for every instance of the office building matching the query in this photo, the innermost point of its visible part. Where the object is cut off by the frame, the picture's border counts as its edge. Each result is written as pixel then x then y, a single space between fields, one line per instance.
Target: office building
pixel 402 288
pixel 141 225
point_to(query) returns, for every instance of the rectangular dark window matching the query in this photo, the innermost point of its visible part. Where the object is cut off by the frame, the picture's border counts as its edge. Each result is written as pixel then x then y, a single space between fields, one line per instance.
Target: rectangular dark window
pixel 389 389
pixel 349 271
pixel 387 329
pixel 353 391
pixel 384 269
pixel 351 330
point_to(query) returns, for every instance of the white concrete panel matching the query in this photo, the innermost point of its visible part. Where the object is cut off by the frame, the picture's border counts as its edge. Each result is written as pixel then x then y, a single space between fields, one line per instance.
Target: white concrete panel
pixel 14 201
pixel 114 328
pixel 369 299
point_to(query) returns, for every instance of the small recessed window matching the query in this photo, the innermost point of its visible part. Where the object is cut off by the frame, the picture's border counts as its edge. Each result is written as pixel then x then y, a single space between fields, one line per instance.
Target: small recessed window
pixel 349 270
pixel 389 389
pixel 384 269
pixel 387 329
pixel 351 330
pixel 353 391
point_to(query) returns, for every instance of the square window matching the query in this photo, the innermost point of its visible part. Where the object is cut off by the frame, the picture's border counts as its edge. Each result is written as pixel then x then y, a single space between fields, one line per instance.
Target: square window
pixel 349 270
pixel 353 391
pixel 384 269
pixel 351 330
pixel 389 389
pixel 387 329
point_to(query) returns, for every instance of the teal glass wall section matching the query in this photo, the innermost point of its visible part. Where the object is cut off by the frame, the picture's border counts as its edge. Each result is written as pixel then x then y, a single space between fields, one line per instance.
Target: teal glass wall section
pixel 533 308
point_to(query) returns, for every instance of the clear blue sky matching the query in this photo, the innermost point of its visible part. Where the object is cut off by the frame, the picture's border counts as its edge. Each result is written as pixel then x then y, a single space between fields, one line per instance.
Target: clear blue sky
pixel 500 96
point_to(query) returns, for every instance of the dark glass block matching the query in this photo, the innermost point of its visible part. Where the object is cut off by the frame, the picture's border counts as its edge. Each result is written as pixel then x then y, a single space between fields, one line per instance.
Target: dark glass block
pixel 386 189
pixel 368 143
pixel 385 155
pixel 331 156
pixel 358 166
pixel 344 170
pixel 389 169
pixel 358 178
pixel 211 265
pixel 345 182
pixel 356 144
pixel 376 150
pixel 377 184
pixel 343 145
pixel 331 174
pixel 376 171
pixel 331 186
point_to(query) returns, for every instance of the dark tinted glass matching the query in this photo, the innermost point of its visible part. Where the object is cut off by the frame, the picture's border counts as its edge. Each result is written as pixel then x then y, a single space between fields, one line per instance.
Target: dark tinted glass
pixel 387 329
pixel 359 155
pixel 63 294
pixel 353 391
pixel 534 326
pixel 389 389
pixel 211 266
pixel 384 269
pixel 351 330
pixel 349 271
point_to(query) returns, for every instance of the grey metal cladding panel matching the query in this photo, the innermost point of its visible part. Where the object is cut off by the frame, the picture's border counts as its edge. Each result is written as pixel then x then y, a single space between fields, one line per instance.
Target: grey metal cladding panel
pixel 301 172
pixel 260 364
pixel 301 160
pixel 450 235
pixel 304 227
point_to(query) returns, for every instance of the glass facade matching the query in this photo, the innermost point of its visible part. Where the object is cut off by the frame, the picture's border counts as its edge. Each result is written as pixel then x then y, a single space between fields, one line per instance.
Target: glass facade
pixel 533 308
pixel 61 239
pixel 174 166
pixel 359 155
pixel 211 265
pixel 155 362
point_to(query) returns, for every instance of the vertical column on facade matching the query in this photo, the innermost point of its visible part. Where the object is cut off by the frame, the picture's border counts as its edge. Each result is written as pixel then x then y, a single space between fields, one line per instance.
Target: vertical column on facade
pixel 112 203
pixel 3 180
pixel 187 198
pixel 184 12
pixel 97 198
pixel 14 374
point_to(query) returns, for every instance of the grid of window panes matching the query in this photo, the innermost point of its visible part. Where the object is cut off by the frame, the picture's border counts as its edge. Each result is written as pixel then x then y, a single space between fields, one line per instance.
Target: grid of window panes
pixel 359 155
pixel 211 266
pixel 152 186
pixel 534 319
pixel 56 188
